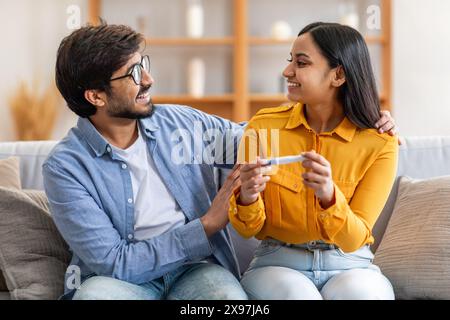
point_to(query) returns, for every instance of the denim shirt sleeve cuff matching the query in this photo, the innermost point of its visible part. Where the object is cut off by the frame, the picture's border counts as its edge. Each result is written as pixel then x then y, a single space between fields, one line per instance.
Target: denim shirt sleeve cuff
pixel 195 241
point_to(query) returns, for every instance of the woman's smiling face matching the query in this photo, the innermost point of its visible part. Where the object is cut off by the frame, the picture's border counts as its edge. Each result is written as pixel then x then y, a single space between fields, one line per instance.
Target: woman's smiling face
pixel 308 74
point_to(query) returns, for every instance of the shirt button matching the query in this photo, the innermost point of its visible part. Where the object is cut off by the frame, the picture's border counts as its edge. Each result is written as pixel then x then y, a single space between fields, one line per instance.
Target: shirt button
pixel 130 200
pixel 124 166
pixel 295 186
pixel 108 149
pixel 323 215
pixel 130 236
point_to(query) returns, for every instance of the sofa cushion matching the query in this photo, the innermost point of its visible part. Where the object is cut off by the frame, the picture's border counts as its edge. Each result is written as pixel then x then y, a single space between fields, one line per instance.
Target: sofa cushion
pixel 9 173
pixel 415 251
pixel 39 197
pixel 3 286
pixel 9 178
pixel 33 255
pixel 419 158
pixel 244 248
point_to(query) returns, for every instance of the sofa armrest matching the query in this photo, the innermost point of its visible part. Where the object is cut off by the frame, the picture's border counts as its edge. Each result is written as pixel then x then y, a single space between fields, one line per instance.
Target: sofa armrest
pixel 32 155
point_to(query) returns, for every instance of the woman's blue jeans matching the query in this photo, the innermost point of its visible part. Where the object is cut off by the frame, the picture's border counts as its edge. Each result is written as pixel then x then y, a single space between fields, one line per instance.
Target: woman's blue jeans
pixel 314 270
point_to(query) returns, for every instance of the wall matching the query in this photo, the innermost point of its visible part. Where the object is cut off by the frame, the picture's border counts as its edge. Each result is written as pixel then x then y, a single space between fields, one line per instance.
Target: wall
pixel 421 66
pixel 14 59
pixel 31 32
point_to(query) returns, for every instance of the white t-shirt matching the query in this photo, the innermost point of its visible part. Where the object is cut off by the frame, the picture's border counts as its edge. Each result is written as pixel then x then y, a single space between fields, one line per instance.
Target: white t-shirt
pixel 155 209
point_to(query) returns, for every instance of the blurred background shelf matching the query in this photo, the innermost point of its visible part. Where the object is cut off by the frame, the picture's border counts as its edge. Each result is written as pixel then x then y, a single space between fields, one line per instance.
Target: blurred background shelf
pixel 189 41
pixel 243 61
pixel 220 105
pixel 186 99
pixel 271 98
pixel 260 41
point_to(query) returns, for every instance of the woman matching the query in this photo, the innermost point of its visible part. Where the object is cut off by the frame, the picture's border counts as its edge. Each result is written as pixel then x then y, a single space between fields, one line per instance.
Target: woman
pixel 315 218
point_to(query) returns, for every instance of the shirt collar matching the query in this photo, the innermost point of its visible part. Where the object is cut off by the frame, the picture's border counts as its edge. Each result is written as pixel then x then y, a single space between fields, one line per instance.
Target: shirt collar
pixel 149 125
pixel 92 136
pixel 99 144
pixel 297 117
pixel 345 129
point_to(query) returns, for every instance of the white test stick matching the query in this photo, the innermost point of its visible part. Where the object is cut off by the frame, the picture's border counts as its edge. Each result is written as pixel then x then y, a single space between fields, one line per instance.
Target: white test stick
pixel 283 160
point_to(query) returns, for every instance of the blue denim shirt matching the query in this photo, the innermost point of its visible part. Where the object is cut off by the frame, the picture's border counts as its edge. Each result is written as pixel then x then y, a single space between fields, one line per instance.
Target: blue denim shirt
pixel 90 196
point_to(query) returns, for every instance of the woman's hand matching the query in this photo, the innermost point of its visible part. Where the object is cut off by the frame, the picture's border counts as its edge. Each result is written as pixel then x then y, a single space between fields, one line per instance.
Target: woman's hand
pixel 253 181
pixel 318 177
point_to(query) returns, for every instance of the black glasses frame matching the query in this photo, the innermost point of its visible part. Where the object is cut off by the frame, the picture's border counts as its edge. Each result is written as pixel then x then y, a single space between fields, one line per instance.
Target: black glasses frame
pixel 136 70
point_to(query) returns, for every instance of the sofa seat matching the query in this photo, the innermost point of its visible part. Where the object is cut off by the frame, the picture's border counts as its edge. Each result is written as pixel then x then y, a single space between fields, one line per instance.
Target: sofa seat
pixel 419 157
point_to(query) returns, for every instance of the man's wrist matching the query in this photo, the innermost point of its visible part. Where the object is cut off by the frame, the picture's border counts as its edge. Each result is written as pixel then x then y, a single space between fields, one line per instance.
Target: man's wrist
pixel 209 229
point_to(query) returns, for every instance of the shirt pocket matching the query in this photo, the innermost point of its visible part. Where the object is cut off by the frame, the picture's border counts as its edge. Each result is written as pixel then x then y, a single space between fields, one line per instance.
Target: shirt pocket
pixel 347 189
pixel 281 197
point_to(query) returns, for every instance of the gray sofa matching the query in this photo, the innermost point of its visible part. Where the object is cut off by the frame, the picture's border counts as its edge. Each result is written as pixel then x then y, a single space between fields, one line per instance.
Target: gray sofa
pixel 420 157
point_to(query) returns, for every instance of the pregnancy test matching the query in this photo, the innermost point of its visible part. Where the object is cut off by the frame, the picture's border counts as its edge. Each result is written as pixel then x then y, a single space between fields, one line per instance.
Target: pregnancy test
pixel 283 160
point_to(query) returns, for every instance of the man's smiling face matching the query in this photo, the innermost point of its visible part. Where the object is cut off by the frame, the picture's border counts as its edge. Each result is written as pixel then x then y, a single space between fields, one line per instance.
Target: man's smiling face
pixel 127 99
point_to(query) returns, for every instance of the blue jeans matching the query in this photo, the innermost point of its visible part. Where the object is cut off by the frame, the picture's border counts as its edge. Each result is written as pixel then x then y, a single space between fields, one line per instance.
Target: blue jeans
pixel 314 271
pixel 199 281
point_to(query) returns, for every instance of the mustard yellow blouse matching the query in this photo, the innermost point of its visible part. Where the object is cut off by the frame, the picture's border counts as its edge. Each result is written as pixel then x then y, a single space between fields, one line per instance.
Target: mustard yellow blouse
pixel 363 164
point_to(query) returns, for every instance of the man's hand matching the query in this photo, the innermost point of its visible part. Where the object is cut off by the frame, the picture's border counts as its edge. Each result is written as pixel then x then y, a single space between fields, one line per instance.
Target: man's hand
pixel 387 124
pixel 217 216
pixel 253 181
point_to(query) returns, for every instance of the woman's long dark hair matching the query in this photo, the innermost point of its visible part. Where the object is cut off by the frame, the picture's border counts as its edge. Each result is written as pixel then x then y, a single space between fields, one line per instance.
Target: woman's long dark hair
pixel 344 46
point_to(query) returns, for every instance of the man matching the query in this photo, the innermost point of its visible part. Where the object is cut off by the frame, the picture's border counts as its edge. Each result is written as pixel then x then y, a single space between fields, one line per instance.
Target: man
pixel 141 224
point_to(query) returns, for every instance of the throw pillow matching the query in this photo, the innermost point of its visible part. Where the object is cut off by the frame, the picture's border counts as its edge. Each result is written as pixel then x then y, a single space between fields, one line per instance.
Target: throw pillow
pixel 33 255
pixel 415 251
pixel 9 178
pixel 39 197
pixel 10 173
pixel 3 286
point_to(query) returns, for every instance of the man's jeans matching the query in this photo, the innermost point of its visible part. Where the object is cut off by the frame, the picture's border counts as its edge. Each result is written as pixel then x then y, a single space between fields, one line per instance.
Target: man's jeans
pixel 314 271
pixel 199 281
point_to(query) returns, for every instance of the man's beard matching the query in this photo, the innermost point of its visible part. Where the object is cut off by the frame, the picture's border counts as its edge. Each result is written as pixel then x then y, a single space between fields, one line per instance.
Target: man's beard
pixel 120 107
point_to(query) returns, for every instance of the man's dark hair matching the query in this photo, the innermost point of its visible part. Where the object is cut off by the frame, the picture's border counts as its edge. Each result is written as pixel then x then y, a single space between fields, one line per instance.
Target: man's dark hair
pixel 344 46
pixel 88 57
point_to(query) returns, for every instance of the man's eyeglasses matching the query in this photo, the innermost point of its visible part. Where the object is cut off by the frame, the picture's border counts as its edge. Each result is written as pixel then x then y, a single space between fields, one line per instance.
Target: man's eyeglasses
pixel 136 70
